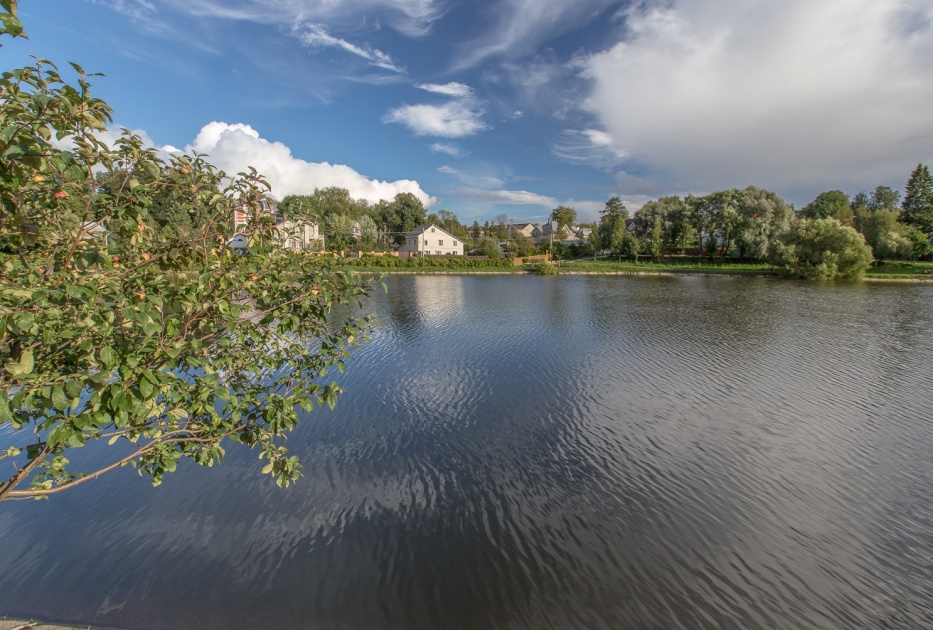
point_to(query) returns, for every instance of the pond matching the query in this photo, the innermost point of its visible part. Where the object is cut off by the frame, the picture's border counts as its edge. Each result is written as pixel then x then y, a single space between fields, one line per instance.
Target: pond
pixel 546 452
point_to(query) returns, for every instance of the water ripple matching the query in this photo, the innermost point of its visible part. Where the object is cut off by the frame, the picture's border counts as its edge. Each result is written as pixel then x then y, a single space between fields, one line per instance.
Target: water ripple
pixel 547 453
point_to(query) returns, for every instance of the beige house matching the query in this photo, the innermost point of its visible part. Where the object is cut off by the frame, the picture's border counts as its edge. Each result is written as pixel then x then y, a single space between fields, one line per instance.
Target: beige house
pixel 430 240
pixel 299 235
pixel 525 229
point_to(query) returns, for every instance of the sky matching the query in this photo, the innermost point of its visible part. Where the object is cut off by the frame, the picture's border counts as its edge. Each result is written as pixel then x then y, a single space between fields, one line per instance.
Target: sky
pixel 512 107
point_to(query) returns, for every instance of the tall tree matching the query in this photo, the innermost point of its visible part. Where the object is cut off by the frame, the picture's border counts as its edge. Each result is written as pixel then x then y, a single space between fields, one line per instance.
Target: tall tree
pixel 918 199
pixel 564 216
pixel 368 230
pixel 766 216
pixel 718 220
pixel 401 215
pixel 612 222
pixel 833 204
pixel 887 237
pixel 884 198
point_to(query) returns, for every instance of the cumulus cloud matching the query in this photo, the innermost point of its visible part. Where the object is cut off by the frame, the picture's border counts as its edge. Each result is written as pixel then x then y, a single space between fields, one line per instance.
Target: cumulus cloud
pixel 509 197
pixel 316 35
pixel 459 117
pixel 795 95
pixel 236 147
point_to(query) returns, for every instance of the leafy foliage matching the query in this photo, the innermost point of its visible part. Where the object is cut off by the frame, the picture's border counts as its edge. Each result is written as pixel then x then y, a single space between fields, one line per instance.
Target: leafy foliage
pixel 833 204
pixel 821 249
pixel 114 334
pixel 918 199
pixel 564 216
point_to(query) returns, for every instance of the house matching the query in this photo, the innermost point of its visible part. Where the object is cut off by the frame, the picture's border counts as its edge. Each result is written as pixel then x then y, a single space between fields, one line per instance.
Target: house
pixel 299 235
pixel 525 229
pixel 238 243
pixel 430 240
pixel 552 231
pixel 95 231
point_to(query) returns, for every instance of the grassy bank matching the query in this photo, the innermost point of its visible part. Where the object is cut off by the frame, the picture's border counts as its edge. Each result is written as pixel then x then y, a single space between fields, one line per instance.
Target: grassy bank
pixel 710 268
pixel 581 266
pixel 901 270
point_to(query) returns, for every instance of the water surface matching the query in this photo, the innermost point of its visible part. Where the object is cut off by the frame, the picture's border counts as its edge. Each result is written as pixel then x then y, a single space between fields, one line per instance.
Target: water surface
pixel 539 452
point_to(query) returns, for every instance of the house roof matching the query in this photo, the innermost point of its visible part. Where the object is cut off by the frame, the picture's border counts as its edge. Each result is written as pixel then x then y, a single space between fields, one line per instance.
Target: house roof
pixel 421 229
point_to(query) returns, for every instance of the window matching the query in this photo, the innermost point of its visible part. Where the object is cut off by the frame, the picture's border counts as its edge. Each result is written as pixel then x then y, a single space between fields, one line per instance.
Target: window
pixel 455 243
pixel 432 230
pixel 438 253
pixel 440 243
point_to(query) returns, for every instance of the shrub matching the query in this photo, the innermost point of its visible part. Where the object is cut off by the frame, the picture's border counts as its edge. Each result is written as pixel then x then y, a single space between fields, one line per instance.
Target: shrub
pixel 821 249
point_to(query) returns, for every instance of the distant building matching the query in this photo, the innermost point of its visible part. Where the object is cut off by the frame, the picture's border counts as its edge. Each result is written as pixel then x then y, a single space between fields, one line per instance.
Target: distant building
pixel 430 240
pixel 552 231
pixel 95 231
pixel 525 229
pixel 299 235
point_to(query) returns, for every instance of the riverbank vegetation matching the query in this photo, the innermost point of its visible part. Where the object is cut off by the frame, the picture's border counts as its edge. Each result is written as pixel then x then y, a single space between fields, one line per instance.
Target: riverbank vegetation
pixel 150 335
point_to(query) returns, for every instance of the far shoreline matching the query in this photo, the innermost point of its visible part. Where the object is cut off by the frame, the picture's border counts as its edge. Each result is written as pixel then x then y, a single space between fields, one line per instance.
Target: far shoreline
pixel 664 273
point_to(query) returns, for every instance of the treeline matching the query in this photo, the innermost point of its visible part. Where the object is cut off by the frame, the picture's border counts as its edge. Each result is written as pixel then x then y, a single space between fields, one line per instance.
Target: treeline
pixel 833 236
pixel 347 222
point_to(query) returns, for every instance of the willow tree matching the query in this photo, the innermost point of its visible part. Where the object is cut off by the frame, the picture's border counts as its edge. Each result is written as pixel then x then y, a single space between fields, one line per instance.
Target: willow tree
pixel 172 347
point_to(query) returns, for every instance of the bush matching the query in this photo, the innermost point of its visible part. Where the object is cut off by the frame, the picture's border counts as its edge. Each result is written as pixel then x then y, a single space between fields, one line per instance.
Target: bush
pixel 821 249
pixel 452 262
pixel 543 269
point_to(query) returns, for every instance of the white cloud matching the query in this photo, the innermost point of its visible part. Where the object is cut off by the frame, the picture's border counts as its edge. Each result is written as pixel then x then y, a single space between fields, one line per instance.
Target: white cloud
pixel 509 197
pixel 411 17
pixel 521 25
pixel 448 149
pixel 316 35
pixel 234 148
pixel 455 89
pixel 473 180
pixel 459 117
pixel 589 146
pixel 136 9
pixel 796 96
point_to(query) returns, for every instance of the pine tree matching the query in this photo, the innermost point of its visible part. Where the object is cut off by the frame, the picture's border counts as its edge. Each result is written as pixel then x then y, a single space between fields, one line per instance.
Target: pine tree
pixel 918 199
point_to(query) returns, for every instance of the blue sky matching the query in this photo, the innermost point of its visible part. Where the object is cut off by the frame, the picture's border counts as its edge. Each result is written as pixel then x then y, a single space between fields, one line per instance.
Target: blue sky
pixel 512 107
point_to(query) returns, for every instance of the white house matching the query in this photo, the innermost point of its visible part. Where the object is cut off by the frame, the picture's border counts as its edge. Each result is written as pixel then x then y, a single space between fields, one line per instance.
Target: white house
pixel 430 240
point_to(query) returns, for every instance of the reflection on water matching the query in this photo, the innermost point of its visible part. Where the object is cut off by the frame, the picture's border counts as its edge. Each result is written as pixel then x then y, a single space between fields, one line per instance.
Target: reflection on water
pixel 531 452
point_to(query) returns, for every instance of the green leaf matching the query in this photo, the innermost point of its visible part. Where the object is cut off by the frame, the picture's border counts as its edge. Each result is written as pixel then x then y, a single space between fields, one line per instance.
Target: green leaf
pixel 108 357
pixel 59 400
pixel 74 387
pixel 25 365
pixel 11 25
pixel 6 412
pixel 146 388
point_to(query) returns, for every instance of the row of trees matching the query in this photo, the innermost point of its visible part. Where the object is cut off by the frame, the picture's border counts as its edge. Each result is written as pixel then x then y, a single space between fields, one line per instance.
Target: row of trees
pixel 338 214
pixel 755 224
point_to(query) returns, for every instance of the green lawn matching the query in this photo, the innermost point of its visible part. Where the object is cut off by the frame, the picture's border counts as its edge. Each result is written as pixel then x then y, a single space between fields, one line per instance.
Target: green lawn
pixel 888 270
pixel 607 265
pixel 902 269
